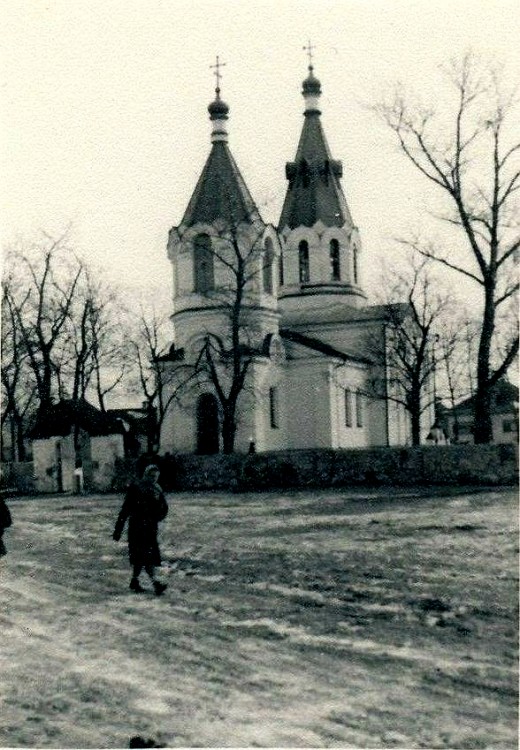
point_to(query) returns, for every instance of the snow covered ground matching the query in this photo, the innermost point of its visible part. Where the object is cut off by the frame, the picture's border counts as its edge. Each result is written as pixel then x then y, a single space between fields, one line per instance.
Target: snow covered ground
pixel 354 619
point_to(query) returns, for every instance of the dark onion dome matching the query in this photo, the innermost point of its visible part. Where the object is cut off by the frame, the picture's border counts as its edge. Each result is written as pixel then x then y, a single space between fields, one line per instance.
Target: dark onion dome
pixel 311 85
pixel 218 109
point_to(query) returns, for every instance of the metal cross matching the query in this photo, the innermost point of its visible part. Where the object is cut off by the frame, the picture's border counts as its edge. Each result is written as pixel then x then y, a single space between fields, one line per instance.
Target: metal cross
pixel 217 72
pixel 309 49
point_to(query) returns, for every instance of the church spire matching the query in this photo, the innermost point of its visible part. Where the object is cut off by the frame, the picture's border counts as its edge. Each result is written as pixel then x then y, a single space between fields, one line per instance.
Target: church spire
pixel 221 192
pixel 314 193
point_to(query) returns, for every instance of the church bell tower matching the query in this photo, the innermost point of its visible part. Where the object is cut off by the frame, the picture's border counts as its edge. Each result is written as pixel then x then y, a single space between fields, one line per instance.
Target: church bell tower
pixel 321 247
pixel 221 229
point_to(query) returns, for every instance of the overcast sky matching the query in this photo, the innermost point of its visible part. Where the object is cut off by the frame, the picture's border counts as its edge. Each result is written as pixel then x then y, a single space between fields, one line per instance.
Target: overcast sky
pixel 105 125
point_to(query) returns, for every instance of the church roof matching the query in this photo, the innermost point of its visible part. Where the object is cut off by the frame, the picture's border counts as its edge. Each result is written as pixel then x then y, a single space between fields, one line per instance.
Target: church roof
pixel 314 192
pixel 342 313
pixel 221 192
pixel 321 346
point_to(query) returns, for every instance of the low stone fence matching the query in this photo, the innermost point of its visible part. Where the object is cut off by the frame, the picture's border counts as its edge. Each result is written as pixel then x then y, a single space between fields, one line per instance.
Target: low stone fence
pixel 491 465
pixel 425 465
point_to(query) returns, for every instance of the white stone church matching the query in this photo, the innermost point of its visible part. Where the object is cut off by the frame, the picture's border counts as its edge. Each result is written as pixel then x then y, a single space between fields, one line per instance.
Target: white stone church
pixel 304 318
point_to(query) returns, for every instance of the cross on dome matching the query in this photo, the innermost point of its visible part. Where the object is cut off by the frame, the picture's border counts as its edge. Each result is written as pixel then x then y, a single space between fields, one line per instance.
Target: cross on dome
pixel 217 73
pixel 309 49
pixel 218 110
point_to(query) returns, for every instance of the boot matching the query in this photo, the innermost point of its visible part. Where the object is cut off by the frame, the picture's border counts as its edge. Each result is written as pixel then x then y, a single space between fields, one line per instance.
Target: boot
pixel 136 586
pixel 159 588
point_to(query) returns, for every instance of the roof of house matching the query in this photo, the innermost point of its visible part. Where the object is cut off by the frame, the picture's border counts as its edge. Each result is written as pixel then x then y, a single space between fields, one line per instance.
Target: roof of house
pixel 61 418
pixel 137 419
pixel 504 400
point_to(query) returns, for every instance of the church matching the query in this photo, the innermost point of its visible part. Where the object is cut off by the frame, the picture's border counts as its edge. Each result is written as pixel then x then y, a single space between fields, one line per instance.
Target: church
pixel 270 324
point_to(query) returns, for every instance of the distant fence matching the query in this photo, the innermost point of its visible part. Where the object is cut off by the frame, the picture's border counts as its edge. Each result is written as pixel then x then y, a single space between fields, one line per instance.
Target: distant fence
pixel 492 465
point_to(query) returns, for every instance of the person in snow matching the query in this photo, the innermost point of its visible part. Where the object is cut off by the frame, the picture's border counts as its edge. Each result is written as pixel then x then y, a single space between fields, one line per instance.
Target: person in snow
pixel 5 522
pixel 144 507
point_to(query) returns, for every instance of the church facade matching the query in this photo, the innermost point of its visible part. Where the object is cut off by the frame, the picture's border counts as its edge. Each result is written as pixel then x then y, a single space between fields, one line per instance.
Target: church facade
pixel 270 324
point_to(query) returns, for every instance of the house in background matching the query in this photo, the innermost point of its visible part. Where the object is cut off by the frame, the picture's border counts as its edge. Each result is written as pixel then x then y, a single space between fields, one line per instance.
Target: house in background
pixel 75 446
pixel 458 422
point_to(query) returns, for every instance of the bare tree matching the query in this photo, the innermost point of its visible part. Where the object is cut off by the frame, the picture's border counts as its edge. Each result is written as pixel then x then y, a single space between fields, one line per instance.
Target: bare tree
pixel 476 167
pixel 46 278
pixel 18 390
pixel 453 365
pixel 404 355
pixel 64 327
pixel 226 356
pixel 227 359
pixel 99 352
pixel 159 385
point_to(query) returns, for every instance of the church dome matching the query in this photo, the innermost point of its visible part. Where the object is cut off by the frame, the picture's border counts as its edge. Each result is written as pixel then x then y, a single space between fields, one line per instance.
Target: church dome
pixel 218 109
pixel 311 84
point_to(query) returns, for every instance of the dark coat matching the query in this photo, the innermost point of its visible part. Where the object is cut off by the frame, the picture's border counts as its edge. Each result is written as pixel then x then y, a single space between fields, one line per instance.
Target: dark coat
pixel 144 506
pixel 5 522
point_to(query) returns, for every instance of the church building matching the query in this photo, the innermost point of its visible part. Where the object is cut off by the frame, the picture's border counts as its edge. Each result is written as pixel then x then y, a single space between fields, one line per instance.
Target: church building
pixel 270 324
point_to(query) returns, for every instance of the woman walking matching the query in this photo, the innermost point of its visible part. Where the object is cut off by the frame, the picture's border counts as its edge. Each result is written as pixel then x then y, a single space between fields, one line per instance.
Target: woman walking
pixel 144 507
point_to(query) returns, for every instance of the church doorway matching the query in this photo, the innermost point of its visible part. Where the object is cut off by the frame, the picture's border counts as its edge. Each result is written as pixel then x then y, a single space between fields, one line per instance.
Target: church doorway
pixel 207 424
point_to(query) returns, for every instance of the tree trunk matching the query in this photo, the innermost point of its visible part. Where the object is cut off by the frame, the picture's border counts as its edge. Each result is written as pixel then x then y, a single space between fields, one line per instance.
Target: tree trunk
pixel 45 390
pixel 150 428
pixel 228 432
pixel 19 439
pixel 12 426
pixel 416 427
pixel 482 424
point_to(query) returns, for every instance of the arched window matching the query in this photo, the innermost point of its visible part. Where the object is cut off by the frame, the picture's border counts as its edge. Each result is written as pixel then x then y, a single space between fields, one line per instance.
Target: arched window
pixel 203 271
pixel 280 270
pixel 303 261
pixel 359 409
pixel 273 407
pixel 355 263
pixel 268 267
pixel 335 267
pixel 348 407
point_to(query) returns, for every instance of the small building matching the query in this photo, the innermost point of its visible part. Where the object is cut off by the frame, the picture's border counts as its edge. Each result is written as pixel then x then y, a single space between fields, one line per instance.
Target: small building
pixel 75 447
pixel 504 410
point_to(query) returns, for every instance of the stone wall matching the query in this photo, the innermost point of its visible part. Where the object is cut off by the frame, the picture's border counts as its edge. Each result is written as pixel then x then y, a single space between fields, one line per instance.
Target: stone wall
pixel 491 465
pixel 426 465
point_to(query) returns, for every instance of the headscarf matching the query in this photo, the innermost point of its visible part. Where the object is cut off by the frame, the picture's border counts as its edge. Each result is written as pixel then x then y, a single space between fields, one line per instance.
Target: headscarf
pixel 149 469
pixel 150 483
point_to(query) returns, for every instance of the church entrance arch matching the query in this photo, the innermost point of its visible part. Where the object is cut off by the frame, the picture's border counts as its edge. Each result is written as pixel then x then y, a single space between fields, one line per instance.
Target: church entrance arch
pixel 207 424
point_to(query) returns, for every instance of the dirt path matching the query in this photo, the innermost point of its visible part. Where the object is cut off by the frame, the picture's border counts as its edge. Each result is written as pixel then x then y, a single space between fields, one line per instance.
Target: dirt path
pixel 330 619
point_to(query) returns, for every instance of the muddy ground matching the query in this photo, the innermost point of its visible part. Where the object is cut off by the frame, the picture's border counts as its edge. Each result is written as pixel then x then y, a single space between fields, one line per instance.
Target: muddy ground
pixel 354 619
